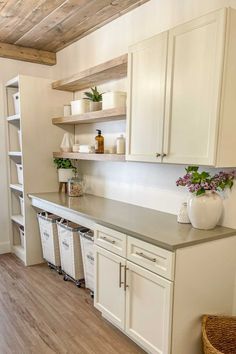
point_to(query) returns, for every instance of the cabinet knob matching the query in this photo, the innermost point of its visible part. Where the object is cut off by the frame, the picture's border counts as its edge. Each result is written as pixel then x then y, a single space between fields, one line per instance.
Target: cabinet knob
pixel 157 154
pixel 163 155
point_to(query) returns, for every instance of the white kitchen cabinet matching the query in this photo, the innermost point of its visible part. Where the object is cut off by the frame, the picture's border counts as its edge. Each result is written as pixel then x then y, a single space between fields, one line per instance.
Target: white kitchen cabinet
pixel 148 309
pixel 191 119
pixel 134 299
pixel 195 57
pixel 109 295
pixel 147 75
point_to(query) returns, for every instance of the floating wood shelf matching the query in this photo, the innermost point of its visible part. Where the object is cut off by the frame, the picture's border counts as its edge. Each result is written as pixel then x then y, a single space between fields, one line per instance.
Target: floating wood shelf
pixel 19 219
pixel 92 157
pixel 13 118
pixel 111 70
pixel 93 117
pixel 15 153
pixel 17 187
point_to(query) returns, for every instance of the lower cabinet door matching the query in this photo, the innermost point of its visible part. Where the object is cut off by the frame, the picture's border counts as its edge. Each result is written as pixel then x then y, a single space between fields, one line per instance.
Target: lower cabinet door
pixel 109 294
pixel 148 309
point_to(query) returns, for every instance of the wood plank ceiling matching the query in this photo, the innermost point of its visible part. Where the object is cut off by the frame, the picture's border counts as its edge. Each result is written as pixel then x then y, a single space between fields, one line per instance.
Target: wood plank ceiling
pixel 33 30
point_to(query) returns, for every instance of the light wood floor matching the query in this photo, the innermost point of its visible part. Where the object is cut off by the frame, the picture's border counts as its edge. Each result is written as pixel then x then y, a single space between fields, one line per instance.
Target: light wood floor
pixel 42 314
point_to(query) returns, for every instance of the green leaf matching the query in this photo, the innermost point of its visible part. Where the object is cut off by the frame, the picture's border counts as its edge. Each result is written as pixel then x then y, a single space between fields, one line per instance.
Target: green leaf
pixel 94 96
pixel 200 191
pixel 192 169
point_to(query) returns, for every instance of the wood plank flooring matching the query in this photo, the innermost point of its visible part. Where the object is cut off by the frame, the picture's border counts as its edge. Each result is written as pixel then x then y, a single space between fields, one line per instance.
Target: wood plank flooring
pixel 42 314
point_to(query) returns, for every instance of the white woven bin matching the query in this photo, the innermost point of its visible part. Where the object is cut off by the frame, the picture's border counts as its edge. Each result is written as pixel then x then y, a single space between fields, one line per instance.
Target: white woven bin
pixel 87 248
pixel 70 250
pixel 49 238
pixel 22 236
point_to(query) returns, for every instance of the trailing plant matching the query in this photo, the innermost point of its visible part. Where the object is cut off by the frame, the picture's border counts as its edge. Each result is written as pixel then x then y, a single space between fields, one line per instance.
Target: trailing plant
pixel 200 182
pixel 94 96
pixel 64 163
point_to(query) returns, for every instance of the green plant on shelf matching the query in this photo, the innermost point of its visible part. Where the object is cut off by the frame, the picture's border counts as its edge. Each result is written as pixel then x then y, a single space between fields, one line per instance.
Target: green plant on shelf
pixel 64 163
pixel 94 96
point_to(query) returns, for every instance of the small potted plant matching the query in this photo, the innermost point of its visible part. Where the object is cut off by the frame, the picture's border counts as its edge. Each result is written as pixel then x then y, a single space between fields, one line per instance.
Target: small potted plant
pixel 95 99
pixel 205 205
pixel 65 168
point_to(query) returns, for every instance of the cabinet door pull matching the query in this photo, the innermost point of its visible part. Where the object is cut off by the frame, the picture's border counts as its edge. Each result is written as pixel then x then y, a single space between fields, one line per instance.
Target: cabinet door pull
pixel 108 240
pixel 125 278
pixel 141 254
pixel 157 154
pixel 120 282
pixel 163 155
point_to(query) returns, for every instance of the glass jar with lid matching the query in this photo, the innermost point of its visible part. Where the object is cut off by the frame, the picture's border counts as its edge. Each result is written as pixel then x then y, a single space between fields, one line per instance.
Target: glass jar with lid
pixel 75 187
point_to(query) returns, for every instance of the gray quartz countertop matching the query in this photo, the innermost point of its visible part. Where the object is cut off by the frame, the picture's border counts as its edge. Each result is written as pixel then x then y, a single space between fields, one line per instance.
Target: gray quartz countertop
pixel 149 225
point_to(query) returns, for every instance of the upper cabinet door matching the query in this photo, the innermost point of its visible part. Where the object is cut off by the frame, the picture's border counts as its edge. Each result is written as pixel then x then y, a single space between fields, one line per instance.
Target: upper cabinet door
pixel 147 75
pixel 195 64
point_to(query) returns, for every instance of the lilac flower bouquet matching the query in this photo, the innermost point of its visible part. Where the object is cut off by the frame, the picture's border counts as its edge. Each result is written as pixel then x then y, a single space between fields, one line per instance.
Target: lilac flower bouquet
pixel 200 182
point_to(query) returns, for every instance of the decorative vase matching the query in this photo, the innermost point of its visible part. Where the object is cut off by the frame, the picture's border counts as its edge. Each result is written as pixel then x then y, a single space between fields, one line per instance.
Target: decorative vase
pixel 64 174
pixel 205 210
pixel 95 106
pixel 182 216
pixel 67 143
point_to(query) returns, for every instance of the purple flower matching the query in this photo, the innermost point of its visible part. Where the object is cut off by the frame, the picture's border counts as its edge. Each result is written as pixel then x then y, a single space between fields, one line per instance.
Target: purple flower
pixel 198 183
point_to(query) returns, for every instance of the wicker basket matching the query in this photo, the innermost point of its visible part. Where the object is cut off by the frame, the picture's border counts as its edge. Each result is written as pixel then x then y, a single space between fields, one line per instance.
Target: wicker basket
pixel 70 250
pixel 219 334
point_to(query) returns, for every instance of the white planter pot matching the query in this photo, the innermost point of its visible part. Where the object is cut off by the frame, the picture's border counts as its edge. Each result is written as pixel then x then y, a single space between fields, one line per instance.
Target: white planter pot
pixel 204 211
pixel 79 106
pixel 95 106
pixel 113 99
pixel 64 174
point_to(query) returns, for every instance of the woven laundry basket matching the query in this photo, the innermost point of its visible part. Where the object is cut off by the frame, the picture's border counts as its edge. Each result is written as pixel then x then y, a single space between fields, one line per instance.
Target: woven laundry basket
pixel 219 334
pixel 70 250
pixel 49 237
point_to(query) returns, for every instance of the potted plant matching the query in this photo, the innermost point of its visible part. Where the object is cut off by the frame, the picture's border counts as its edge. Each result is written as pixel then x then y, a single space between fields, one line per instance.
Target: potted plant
pixel 205 204
pixel 65 169
pixel 95 99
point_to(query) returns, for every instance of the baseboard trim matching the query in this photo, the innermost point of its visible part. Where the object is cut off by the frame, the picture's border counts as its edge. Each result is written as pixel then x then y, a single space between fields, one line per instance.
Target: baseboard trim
pixel 5 247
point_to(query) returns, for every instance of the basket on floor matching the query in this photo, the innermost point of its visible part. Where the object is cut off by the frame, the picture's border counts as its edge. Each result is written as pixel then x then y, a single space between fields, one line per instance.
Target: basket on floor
pixel 219 334
pixel 70 250
pixel 49 237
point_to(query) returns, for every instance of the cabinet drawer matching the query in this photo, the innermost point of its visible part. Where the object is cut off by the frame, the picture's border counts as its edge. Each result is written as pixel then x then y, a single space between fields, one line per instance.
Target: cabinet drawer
pixel 110 239
pixel 156 259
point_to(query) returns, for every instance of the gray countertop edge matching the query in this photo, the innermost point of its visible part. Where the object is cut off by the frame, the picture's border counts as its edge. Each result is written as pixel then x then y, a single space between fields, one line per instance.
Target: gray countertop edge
pixel 141 237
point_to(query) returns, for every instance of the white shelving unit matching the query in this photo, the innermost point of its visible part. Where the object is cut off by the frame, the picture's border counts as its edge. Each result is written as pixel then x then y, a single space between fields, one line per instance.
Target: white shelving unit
pixel 38 103
pixel 15 156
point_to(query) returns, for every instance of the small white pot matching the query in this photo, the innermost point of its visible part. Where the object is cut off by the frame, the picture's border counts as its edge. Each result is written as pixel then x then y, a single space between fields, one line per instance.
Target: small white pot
pixel 95 106
pixel 204 211
pixel 79 106
pixel 64 174
pixel 113 99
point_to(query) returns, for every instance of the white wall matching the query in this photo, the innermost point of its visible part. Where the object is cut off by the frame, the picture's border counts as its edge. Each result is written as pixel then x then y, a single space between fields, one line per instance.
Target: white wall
pixel 149 185
pixel 8 70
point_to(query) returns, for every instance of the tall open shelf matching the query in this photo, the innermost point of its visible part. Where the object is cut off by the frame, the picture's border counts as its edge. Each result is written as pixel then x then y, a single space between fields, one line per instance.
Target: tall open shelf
pixel 114 69
pixel 15 157
pixel 32 126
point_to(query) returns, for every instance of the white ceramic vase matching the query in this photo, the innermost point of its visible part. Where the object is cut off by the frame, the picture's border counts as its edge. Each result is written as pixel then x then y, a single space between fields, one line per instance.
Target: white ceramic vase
pixel 67 143
pixel 64 174
pixel 205 210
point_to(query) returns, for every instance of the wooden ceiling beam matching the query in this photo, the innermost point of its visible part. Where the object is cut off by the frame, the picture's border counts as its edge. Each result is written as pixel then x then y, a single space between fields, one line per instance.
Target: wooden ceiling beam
pixel 31 55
